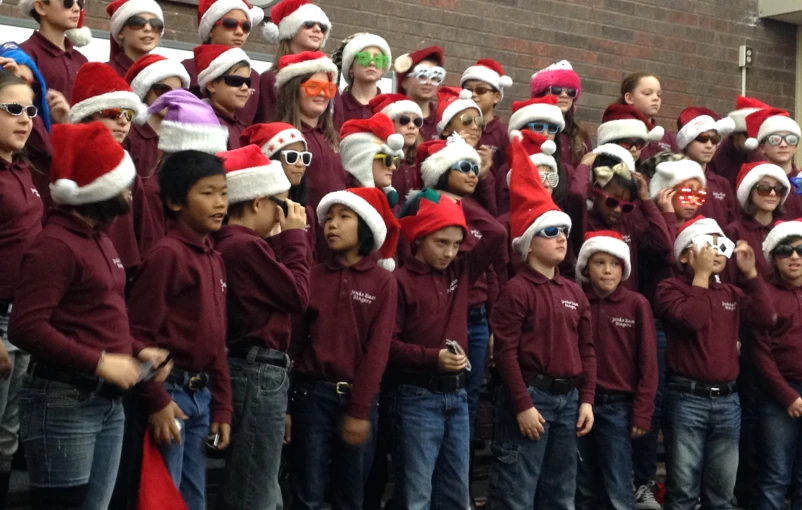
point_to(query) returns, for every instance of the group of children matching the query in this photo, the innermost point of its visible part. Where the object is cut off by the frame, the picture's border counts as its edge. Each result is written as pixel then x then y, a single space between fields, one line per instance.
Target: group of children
pixel 199 258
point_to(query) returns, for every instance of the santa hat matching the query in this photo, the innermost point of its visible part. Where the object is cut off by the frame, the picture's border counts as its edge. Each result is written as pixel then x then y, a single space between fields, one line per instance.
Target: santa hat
pixel 394 105
pixel 782 230
pixel 371 205
pixel 751 173
pixel 151 69
pixel 80 35
pixel 671 173
pixel 694 227
pixel 190 124
pixel 121 10
pixel 743 107
pixel 625 121
pixel 156 487
pixel 488 71
pixel 435 212
pixel 272 137
pixel 250 175
pixel 98 87
pixel 539 148
pixel 531 207
pixel 695 120
pixel 357 44
pixel 768 121
pixel 437 157
pixel 362 139
pixel 288 16
pixel 619 153
pixel 542 109
pixel 213 60
pixel 559 74
pixel 605 241
pixel 88 164
pixel 306 62
pixel 451 101
pixel 212 11
pixel 407 62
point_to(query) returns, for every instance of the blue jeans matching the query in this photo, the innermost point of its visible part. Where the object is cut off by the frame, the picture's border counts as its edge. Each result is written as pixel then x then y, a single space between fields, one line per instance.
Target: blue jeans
pixel 478 340
pixel 780 443
pixel 186 462
pixel 701 440
pixel 644 449
pixel 432 449
pixel 527 474
pixel 9 398
pixel 319 454
pixel 604 477
pixel 72 440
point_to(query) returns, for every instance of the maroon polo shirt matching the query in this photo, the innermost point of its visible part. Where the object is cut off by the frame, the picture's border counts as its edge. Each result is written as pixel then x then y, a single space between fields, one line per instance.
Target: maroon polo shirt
pixel 233 124
pixel 121 63
pixel 247 113
pixel 21 212
pixel 348 328
pixel 702 325
pixel 58 67
pixel 793 204
pixel 653 268
pixel 625 342
pixel 178 303
pixel 486 289
pixel 152 224
pixel 570 160
pixel 38 151
pixel 69 305
pixel 721 203
pixel 749 230
pixel 667 143
pixel 495 136
pixel 122 232
pixel 268 96
pixel 406 179
pixel 142 144
pixel 326 173
pixel 429 129
pixel 542 326
pixel 346 107
pixel 728 160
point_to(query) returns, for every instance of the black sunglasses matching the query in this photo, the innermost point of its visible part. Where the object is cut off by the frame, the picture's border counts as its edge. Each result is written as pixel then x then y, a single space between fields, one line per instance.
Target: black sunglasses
pixel 282 204
pixel 311 24
pixel 612 202
pixel 404 120
pixel 784 251
pixel 232 80
pixel 16 109
pixel 466 167
pixel 69 3
pixel 556 91
pixel 552 232
pixel 160 89
pixel 291 157
pixel 138 23
pixel 629 143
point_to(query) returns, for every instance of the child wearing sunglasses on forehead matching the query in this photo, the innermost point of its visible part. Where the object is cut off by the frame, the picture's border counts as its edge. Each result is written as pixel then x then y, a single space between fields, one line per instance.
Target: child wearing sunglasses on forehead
pixel 643 92
pixel 418 76
pixel 362 59
pixel 135 29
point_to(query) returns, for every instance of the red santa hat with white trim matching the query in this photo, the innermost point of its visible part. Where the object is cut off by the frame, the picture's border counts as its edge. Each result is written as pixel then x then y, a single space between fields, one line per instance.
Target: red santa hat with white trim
pixel 79 36
pixel 407 62
pixel 362 139
pixel 539 148
pixel 358 43
pixel 394 105
pixel 542 109
pixel 212 11
pixel 436 157
pixel 451 101
pixel 272 137
pixel 768 121
pixel 213 60
pixel 371 205
pixel 251 175
pixel 671 173
pixel 288 16
pixel 306 62
pixel 625 121
pixel 121 10
pixel 743 107
pixel 98 87
pixel 695 120
pixel 88 164
pixel 781 231
pixel 750 175
pixel 151 69
pixel 605 241
pixel 487 71
pixel 694 227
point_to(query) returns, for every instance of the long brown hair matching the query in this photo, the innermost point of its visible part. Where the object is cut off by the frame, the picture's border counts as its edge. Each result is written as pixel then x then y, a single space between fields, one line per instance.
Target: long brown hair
pixel 283 50
pixel 577 134
pixel 288 109
pixel 630 83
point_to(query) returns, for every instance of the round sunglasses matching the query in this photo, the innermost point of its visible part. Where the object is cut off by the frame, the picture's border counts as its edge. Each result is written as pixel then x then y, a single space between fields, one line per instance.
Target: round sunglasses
pixel 405 119
pixel 139 22
pixel 233 23
pixel 466 167
pixel 389 161
pixel 790 139
pixel 552 232
pixel 784 251
pixel 543 127
pixel 291 157
pixel 17 109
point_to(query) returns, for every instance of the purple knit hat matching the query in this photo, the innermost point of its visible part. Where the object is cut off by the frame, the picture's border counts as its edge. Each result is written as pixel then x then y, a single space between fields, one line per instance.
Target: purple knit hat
pixel 190 124
pixel 559 74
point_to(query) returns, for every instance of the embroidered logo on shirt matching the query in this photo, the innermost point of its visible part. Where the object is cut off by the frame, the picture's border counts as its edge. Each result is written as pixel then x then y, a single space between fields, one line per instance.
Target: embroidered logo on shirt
pixel 571 305
pixel 35 191
pixel 362 297
pixel 664 146
pixel 718 195
pixel 623 322
pixel 729 306
pixel 118 263
pixel 452 286
pixel 477 234
pixel 223 285
pixel 627 238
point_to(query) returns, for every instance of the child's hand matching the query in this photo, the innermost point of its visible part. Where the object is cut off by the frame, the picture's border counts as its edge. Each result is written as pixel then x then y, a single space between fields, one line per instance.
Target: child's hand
pixel 450 362
pixel 10 65
pixel 486 153
pixel 588 159
pixel 643 186
pixel 701 260
pixel 745 257
pixel 585 420
pixel 119 369
pixel 163 424
pixel 295 219
pixel 664 200
pixel 287 429
pixel 5 363
pixel 355 431
pixel 638 432
pixel 530 423
pixel 795 409
pixel 59 107
pixel 224 429
pixel 157 357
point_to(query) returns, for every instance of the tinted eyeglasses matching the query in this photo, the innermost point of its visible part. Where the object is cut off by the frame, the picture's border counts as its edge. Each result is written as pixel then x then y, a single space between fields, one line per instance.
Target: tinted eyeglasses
pixel 315 87
pixel 480 90
pixel 282 204
pixel 160 89
pixel 466 167
pixel 468 119
pixel 311 24
pixel 552 232
pixel 139 22
pixel 16 109
pixel 790 139
pixel 704 138
pixel 291 157
pixel 543 127
pixel 687 196
pixel 232 80
pixel 116 113
pixel 405 119
pixel 69 3
pixel 389 161
pixel 629 143
pixel 764 190
pixel 556 91
pixel 233 23
pixel 784 251
pixel 614 203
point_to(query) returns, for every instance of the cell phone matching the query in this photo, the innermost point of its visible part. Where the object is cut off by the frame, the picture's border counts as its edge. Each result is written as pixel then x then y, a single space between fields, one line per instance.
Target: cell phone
pixel 213 441
pixel 281 203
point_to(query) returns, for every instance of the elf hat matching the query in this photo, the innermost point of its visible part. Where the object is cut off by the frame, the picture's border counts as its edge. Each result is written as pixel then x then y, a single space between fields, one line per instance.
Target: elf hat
pixel 782 230
pixel 625 121
pixel 306 62
pixel 559 74
pixel 695 120
pixel 250 175
pixel 88 165
pixel 213 60
pixel 371 205
pixel 272 137
pixel 531 207
pixel 671 173
pixel 357 44
pixel 694 227
pixel 451 101
pixel 190 124
pixel 539 148
pixel 212 11
pixel 288 16
pixel 98 87
pixel 437 157
pixel 606 241
pixel 488 71
pixel 542 108
pixel 751 173
pixel 601 175
pixel 151 69
pixel 394 105
pixel 80 35
pixel 121 10
pixel 362 139
pixel 766 122
pixel 435 212
pixel 743 107
pixel 407 62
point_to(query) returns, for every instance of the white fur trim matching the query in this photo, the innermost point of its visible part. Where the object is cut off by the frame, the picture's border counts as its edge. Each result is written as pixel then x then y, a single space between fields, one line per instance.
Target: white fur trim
pixel 670 173
pixel 395 143
pixel 778 233
pixel 256 182
pixel 548 147
pixel 623 128
pixel 179 136
pixel 777 124
pixel 132 8
pixel 486 75
pixel 398 108
pixel 542 160
pixel 291 24
pixel 739 117
pixel 320 65
pixel 220 65
pixel 216 12
pixel 357 152
pixel 547 219
pixel 358 44
pixel 605 244
pixel 441 161
pixel 281 140
pixel 80 37
pixel 360 206
pixel 108 185
pixel 118 99
pixel 463 103
pixel 157 72
pixel 702 124
pixel 534 112
pixel 616 151
pixel 753 177
pixel 700 227
pixel 388 264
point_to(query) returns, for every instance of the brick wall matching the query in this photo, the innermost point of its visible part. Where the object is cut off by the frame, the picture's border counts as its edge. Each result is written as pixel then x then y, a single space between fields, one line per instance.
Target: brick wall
pixel 691 45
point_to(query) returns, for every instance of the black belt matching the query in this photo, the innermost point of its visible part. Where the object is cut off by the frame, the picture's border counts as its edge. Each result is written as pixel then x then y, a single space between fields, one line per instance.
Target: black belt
pixel 81 381
pixel 191 381
pixel 712 391
pixel 264 355
pixel 613 397
pixel 441 383
pixel 556 385
pixel 340 388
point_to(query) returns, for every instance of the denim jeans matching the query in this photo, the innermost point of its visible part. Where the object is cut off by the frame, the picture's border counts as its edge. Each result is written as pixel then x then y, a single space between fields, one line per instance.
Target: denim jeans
pixel 478 340
pixel 257 434
pixel 780 443
pixel 432 449
pixel 527 474
pixel 604 477
pixel 72 439
pixel 701 440
pixel 644 449
pixel 319 454
pixel 186 462
pixel 9 398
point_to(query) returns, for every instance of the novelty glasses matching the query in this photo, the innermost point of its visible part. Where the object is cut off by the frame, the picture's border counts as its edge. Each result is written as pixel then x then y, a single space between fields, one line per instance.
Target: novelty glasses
pixel 613 203
pixel 790 139
pixel 553 178
pixel 687 196
pixel 364 59
pixel 292 157
pixel 233 23
pixel 723 246
pixel 316 87
pixel 431 75
pixel 543 127
pixel 389 161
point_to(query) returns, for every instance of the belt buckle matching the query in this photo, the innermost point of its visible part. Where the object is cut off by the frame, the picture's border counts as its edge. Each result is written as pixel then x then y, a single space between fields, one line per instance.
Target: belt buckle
pixel 561 386
pixel 342 388
pixel 715 393
pixel 194 383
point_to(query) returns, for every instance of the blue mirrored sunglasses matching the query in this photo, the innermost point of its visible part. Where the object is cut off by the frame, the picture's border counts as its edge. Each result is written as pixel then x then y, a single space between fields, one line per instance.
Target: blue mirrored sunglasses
pixel 543 127
pixel 552 232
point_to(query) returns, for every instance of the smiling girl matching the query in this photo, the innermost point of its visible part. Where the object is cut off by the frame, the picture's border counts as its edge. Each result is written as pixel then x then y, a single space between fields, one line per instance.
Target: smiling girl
pixel 363 59
pixel 136 28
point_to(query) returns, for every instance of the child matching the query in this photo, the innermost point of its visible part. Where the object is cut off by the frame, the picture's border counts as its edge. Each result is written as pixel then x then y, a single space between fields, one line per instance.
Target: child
pixel 732 153
pixel 624 125
pixel 702 415
pixel 644 93
pixel 545 357
pixel 224 76
pixel 341 350
pixel 418 75
pixel 371 152
pixel 626 367
pixel 135 29
pixel 264 288
pixel 362 60
pixel 684 182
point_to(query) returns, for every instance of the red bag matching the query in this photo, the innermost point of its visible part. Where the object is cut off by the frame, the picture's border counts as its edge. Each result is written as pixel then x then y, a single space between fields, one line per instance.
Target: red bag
pixel 156 488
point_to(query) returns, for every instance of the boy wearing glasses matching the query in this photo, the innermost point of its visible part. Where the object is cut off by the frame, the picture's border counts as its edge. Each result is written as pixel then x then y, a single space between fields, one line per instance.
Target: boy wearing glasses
pixel 545 357
pixel 363 59
pixel 418 75
pixel 135 29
